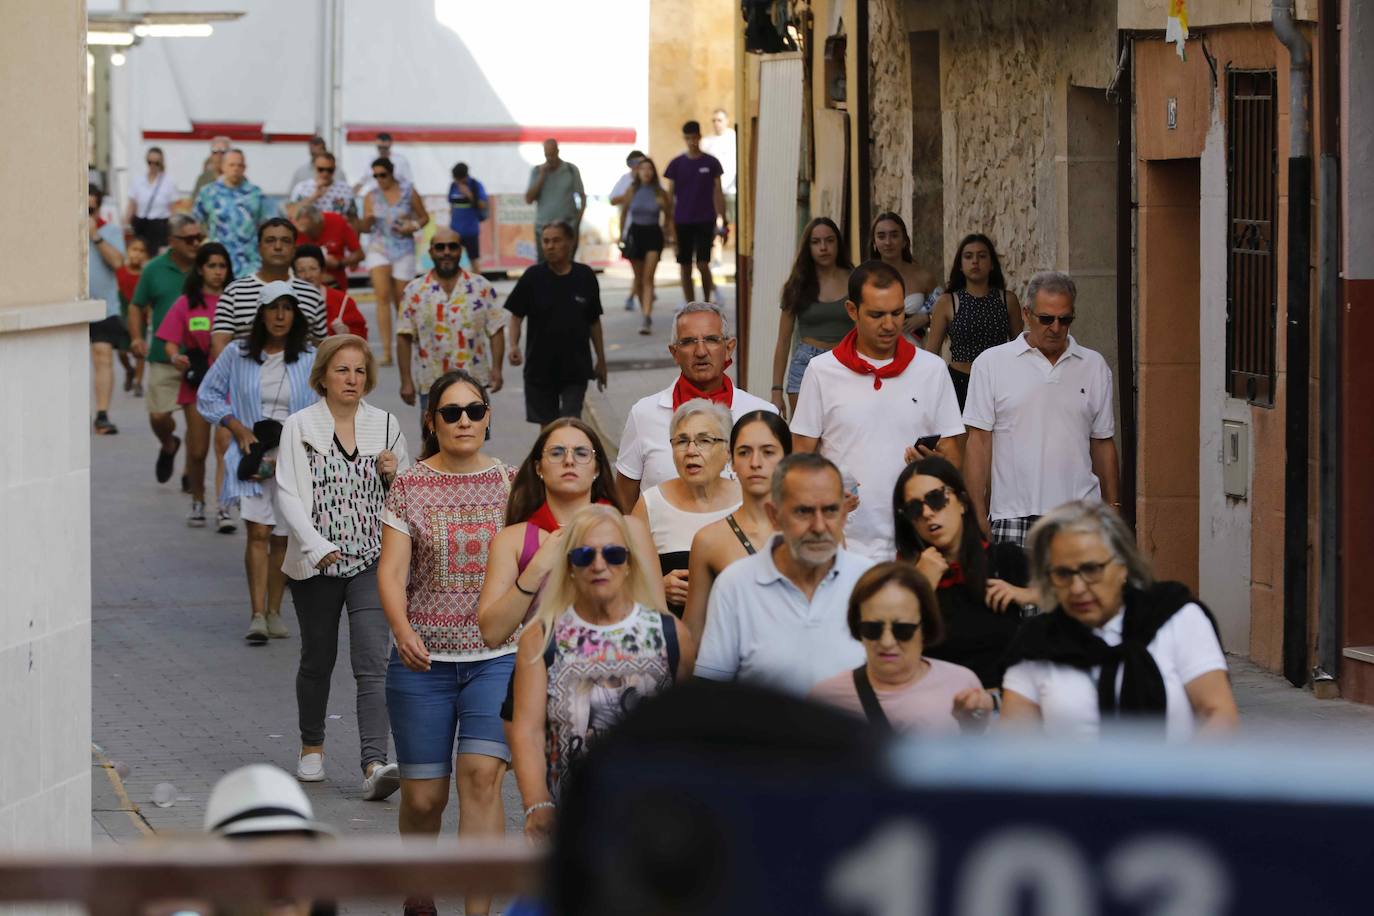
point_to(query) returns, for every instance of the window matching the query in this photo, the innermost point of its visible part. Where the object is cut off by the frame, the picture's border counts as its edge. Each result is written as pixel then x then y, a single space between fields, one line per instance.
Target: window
pixel 1252 268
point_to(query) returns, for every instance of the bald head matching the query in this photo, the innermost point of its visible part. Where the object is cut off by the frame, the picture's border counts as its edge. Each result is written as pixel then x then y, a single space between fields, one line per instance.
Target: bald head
pixel 446 250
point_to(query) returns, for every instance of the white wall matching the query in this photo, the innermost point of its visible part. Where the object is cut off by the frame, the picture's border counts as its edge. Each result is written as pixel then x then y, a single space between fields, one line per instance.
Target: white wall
pixel 1223 523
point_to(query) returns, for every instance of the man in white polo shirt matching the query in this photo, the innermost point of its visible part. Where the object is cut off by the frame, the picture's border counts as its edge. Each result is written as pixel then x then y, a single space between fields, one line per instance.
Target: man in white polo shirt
pixel 1039 417
pixel 702 345
pixel 779 618
pixel 865 404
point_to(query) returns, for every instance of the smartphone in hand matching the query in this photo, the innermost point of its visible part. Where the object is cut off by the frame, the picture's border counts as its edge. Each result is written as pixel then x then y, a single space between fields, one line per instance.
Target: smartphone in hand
pixel 927 442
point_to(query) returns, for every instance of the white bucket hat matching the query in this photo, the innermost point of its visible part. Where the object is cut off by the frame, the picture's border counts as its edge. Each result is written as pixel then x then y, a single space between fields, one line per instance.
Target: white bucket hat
pixel 260 798
pixel 275 290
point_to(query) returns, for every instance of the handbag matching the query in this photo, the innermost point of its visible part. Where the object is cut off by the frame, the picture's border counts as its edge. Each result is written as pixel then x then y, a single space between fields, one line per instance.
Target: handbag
pixel 200 364
pixel 252 466
pixel 868 699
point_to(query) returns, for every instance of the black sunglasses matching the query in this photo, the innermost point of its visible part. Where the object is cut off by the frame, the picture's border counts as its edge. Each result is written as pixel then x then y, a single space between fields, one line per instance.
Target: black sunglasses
pixel 872 630
pixel 451 412
pixel 614 554
pixel 380 175
pixel 329 169
pixel 1048 320
pixel 446 246
pixel 936 499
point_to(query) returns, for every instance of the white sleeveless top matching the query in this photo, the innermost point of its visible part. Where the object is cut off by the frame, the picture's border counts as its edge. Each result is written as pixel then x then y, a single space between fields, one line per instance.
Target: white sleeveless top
pixel 673 528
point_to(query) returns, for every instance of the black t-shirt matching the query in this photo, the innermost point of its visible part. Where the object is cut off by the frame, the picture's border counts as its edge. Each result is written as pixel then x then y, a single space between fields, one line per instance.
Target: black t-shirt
pixel 975 635
pixel 559 312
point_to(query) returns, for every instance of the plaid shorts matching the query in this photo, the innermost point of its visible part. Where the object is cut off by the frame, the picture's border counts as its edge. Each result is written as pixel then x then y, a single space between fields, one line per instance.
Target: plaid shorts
pixel 1013 529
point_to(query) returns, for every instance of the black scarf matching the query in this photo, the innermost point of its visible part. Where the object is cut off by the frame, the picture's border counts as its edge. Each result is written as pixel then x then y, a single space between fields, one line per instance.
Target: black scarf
pixel 1058 638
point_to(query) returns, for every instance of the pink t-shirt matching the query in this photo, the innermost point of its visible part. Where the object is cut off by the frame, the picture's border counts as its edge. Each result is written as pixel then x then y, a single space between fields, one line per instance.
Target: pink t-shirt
pixel 189 329
pixel 927 706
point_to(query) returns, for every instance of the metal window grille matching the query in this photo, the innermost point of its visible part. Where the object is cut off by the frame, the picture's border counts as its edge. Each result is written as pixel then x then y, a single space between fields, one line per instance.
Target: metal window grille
pixel 1252 205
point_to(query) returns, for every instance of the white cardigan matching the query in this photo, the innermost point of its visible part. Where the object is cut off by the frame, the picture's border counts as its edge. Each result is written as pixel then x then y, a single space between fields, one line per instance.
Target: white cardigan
pixel 314 426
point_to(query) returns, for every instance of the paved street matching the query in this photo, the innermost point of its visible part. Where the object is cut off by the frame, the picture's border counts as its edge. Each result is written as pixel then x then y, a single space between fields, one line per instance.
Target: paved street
pixel 179 697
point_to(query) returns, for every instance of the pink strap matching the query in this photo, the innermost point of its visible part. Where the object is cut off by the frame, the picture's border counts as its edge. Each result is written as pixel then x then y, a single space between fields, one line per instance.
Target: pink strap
pixel 529 548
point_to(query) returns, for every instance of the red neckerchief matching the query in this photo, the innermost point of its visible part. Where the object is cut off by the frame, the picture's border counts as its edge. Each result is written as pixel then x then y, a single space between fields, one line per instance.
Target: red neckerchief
pixel 955 574
pixel 685 391
pixel 847 352
pixel 543 517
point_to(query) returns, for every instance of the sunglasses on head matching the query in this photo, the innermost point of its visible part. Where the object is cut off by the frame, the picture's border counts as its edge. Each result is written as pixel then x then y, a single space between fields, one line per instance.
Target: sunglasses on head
pixel 872 630
pixel 613 554
pixel 450 413
pixel 1048 320
pixel 936 499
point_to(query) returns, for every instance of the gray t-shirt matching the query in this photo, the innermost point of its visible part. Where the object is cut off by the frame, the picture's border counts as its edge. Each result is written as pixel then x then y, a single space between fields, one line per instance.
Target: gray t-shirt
pixel 556 198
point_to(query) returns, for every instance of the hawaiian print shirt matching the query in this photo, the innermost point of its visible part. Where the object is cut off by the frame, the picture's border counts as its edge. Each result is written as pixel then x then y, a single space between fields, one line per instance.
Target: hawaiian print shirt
pixel 337 198
pixel 451 330
pixel 231 216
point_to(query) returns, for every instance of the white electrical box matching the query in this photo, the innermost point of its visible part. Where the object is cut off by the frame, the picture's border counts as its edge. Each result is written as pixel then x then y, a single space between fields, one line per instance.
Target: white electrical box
pixel 1235 458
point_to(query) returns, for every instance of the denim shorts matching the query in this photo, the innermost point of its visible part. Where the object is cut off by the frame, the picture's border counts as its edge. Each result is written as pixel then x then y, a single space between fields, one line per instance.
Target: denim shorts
pixel 801 358
pixel 429 708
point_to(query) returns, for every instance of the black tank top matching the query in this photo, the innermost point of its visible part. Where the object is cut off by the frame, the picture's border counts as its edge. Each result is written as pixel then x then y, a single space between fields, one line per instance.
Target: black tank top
pixel 979 322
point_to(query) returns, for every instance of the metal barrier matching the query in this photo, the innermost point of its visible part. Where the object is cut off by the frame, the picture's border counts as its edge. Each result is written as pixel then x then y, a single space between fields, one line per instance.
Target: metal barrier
pixel 123 880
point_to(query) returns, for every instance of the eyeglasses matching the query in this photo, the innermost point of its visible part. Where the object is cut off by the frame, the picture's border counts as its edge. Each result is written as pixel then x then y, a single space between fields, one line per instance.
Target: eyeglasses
pixel 613 554
pixel 446 246
pixel 90 211
pixel 380 175
pixel 935 499
pixel 581 454
pixel 329 170
pixel 156 162
pixel 872 630
pixel 1091 573
pixel 450 413
pixel 1048 320
pixel 712 342
pixel 190 239
pixel 703 442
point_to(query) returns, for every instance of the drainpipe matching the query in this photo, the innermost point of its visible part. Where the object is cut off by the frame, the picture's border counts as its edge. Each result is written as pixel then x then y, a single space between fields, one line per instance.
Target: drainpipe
pixel 1329 289
pixel 1295 477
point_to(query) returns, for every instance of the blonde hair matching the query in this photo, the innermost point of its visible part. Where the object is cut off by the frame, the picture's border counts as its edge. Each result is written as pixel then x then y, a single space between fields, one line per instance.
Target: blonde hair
pixel 560 591
pixel 326 352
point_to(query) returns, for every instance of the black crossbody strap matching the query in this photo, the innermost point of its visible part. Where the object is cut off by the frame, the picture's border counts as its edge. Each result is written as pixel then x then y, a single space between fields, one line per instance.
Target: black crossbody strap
pixel 869 700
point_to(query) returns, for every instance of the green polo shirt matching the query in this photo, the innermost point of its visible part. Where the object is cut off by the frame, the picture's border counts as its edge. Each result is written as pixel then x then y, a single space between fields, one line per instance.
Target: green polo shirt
pixel 158 287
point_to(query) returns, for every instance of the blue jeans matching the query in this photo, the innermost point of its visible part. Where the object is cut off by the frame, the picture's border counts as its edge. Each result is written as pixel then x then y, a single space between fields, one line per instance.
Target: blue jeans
pixel 429 708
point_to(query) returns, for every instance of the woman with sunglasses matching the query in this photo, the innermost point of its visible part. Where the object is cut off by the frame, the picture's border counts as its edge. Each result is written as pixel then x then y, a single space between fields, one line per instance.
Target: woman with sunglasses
pixel 392 213
pixel 758 441
pixel 980 587
pixel 443 681
pixel 899 687
pixel 1115 643
pixel 976 312
pixel 338 457
pixel 677 509
pixel 566 470
pixel 595 648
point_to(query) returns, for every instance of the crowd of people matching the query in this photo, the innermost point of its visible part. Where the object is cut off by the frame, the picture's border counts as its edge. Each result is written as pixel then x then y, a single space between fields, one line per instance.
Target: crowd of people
pixel 934 546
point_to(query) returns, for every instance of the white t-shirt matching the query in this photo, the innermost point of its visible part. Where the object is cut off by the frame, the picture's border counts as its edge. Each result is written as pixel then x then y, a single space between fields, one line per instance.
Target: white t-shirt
pixel 761 628
pixel 1042 418
pixel 867 432
pixel 275 387
pixel 723 147
pixel 152 199
pixel 645 454
pixel 1185 648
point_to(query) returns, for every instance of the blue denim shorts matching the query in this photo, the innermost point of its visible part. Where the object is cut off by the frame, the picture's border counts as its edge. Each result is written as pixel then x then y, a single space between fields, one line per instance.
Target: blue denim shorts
pixel 801 358
pixel 452 699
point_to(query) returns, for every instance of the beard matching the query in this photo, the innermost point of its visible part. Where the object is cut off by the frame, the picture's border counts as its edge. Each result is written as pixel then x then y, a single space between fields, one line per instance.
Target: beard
pixel 446 269
pixel 813 551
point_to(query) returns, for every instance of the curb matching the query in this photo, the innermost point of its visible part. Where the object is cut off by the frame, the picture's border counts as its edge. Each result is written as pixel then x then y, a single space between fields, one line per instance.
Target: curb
pixel 126 804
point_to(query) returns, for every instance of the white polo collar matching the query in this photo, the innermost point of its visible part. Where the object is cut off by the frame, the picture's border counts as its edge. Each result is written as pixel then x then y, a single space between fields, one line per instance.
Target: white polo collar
pixel 1025 347
pixel 768 572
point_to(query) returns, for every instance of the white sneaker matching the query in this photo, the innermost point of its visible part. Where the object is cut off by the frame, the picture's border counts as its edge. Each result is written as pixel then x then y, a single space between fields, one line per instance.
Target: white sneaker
pixel 224 522
pixel 310 768
pixel 384 780
pixel 197 517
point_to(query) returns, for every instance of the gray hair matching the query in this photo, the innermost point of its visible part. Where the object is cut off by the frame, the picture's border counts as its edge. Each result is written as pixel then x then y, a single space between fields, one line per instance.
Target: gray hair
pixel 308 211
pixel 692 308
pixel 801 461
pixel 1051 281
pixel 700 407
pixel 562 226
pixel 1083 517
pixel 180 221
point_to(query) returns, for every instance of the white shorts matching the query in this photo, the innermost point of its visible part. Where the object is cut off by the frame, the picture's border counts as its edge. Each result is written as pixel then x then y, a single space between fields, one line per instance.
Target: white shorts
pixel 402 269
pixel 262 509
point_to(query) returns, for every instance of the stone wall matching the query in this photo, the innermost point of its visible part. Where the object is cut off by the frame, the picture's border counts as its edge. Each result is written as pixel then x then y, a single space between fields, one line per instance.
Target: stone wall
pixel 1004 69
pixel 691 70
pixel 889 108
